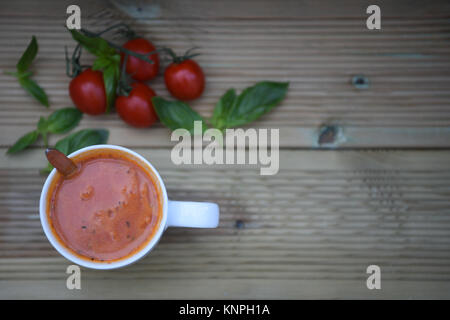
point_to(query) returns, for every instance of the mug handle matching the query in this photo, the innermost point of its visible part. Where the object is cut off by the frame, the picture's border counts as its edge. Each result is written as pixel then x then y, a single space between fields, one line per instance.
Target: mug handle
pixel 193 214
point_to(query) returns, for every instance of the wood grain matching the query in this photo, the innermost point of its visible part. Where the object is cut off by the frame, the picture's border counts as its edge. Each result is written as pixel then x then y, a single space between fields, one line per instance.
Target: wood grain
pixel 333 214
pixel 380 197
pixel 407 64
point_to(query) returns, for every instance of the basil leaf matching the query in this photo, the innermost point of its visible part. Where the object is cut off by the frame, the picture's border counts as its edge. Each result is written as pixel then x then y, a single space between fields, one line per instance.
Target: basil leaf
pixel 252 103
pixel 63 145
pixel 24 142
pixel 176 114
pixel 222 108
pixel 95 45
pixel 111 74
pixel 33 88
pixel 63 120
pixel 110 80
pixel 81 139
pixel 88 137
pixel 24 76
pixel 28 56
pixel 78 140
pixel 101 63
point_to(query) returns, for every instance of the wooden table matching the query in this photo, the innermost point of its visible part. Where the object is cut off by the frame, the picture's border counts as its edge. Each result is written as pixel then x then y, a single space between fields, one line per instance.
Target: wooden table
pixel 374 193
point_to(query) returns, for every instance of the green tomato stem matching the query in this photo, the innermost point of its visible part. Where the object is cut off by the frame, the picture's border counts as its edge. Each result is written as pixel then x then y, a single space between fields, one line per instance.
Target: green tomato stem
pixel 45 139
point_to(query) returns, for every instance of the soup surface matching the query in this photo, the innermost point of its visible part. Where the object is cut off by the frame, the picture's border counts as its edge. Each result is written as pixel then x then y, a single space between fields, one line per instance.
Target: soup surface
pixel 108 210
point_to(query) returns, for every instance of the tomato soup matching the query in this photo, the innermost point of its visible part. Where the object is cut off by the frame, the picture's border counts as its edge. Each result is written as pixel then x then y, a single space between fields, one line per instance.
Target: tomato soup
pixel 109 209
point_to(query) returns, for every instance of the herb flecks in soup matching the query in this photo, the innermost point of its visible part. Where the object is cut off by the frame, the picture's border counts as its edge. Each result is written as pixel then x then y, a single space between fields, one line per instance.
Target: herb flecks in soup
pixel 109 210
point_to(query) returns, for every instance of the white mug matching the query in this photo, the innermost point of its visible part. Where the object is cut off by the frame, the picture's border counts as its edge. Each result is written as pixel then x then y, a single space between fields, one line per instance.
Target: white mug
pixel 174 214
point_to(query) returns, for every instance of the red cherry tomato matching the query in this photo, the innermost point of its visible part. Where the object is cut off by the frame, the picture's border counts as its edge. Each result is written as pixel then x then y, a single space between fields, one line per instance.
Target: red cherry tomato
pixel 87 92
pixel 137 109
pixel 185 80
pixel 137 68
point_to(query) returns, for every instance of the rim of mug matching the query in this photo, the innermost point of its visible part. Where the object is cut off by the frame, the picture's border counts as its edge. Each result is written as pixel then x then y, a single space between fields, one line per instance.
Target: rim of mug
pixel 97 264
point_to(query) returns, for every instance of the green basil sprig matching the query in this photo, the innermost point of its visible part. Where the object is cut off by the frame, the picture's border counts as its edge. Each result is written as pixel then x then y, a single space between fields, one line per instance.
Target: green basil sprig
pixel 28 56
pixel 176 114
pixel 24 141
pixel 108 61
pixel 231 110
pixel 63 120
pixel 60 121
pixel 222 108
pixel 77 140
pixel 110 67
pixel 23 74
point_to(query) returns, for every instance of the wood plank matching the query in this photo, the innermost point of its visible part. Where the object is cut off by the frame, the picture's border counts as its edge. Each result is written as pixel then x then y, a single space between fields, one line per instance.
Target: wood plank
pixel 237 9
pixel 290 137
pixel 223 289
pixel 311 230
pixel 334 213
pixel 320 160
pixel 407 64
